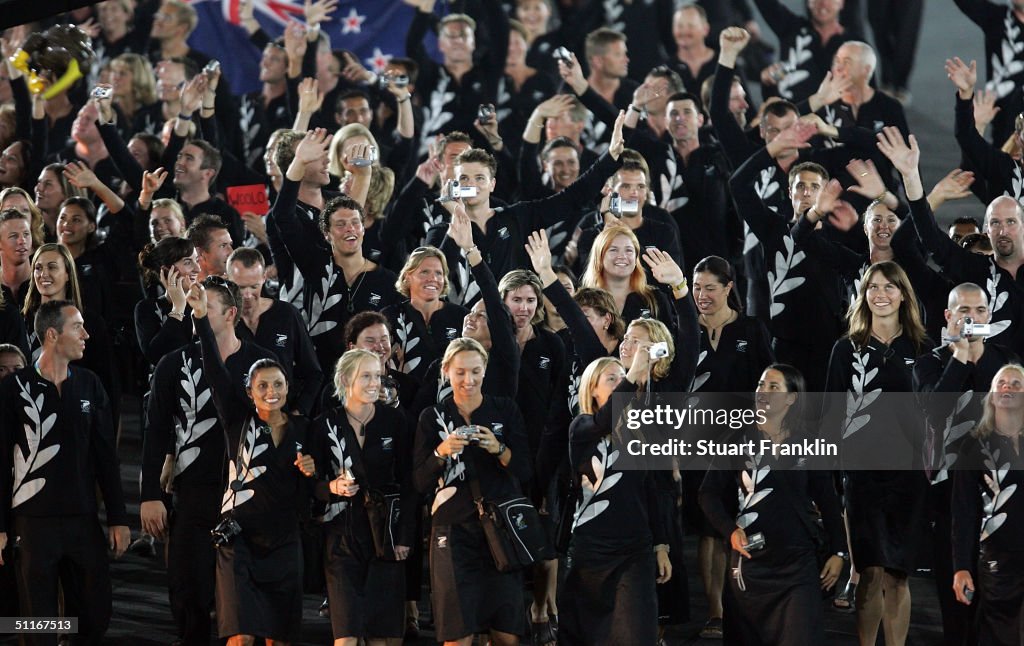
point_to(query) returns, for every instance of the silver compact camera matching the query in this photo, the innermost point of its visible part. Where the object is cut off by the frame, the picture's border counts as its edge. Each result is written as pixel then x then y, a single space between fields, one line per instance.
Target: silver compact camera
pixel 455 191
pixel 618 206
pixel 563 54
pixel 371 157
pixel 225 532
pixel 212 67
pixel 468 432
pixel 400 80
pixel 975 329
pixel 102 92
pixel 658 351
pixel 755 542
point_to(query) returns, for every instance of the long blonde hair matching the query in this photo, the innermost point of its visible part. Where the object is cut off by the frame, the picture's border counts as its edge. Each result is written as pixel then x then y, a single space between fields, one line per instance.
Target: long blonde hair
pixel 594 274
pixel 588 382
pixel 988 415
pixel 346 368
pixel 859 316
pixel 72 291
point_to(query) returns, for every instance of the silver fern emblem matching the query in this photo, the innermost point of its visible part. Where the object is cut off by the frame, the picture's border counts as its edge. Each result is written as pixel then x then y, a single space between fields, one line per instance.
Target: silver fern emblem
pixel 588 508
pixel 997 495
pixel 454 468
pixel 796 57
pixel 320 302
pixel 339 463
pixel 858 398
pixel 405 335
pixel 778 283
pixel 997 298
pixel 35 458
pixel 189 428
pixel 243 470
pixel 1007 63
pixel 748 492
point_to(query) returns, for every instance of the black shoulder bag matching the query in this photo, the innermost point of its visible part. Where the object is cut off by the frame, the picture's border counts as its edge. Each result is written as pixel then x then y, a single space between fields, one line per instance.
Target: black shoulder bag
pixel 512 526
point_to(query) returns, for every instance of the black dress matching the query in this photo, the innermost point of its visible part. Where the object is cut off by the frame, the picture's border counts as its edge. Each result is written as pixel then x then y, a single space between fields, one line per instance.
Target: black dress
pixel 885 508
pixel 259 573
pixel 366 595
pixel 469 595
pixel 777 592
pixel 987 496
pixel 609 595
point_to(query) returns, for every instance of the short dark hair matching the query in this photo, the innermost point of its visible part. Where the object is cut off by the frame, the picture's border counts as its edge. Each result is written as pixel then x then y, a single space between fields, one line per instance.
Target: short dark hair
pixel 154 146
pixel 211 157
pixel 201 229
pixel 808 167
pixel 686 96
pixel 412 68
pixel 264 364
pixel 287 142
pixel 248 256
pixel 780 108
pixel 165 253
pixel 967 219
pixel 453 137
pixel 558 142
pixel 360 322
pixel 335 203
pixel 83 203
pixel 479 156
pixel 51 315
pixel 15 214
pixel 352 93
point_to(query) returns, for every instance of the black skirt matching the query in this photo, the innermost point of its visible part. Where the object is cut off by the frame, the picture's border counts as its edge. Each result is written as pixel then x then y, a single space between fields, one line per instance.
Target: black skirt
pixel 780 602
pixel 259 586
pixel 886 512
pixel 366 596
pixel 1000 587
pixel 609 601
pixel 469 595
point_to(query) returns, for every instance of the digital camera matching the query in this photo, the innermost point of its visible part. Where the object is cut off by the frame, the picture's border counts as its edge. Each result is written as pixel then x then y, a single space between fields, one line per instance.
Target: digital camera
pixel 975 329
pixel 102 92
pixel 371 157
pixel 467 432
pixel 454 191
pixel 755 542
pixel 212 67
pixel 400 80
pixel 618 206
pixel 562 54
pixel 658 351
pixel 225 532
pixel 485 113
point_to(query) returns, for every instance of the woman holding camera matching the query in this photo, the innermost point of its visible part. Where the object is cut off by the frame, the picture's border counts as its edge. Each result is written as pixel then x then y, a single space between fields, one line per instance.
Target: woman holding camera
pixel 987 494
pixel 619 549
pixel 365 454
pixel 470 441
pixel 885 490
pixel 775 590
pixel 259 560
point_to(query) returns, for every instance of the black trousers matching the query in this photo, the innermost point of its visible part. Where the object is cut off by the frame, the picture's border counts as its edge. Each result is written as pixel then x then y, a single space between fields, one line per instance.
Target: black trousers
pixel 896 25
pixel 75 549
pixel 957 618
pixel 191 561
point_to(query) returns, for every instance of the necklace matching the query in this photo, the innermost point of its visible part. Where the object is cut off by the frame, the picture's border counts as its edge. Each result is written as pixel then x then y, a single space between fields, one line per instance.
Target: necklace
pixel 715 330
pixel 352 290
pixel 362 422
pixel 899 331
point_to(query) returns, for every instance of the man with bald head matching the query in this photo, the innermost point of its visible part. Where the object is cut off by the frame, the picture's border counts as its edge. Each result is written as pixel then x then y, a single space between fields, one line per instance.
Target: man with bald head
pixel 853 67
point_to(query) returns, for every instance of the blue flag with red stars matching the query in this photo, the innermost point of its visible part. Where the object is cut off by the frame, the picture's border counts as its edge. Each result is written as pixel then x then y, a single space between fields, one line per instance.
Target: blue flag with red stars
pixel 373 29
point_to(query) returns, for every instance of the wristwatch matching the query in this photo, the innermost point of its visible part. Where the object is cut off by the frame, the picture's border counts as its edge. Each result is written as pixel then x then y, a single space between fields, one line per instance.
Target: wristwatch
pixel 843 555
pixel 501 450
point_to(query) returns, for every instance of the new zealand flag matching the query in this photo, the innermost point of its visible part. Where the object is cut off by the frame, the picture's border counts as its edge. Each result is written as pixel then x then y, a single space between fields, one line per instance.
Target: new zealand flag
pixel 373 29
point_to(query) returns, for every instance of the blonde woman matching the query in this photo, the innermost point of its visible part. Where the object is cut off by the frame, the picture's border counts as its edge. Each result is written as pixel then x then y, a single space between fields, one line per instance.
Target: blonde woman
pixel 884 507
pixel 987 495
pixel 426 322
pixel 618 542
pixel 341 153
pixel 363 447
pixel 134 85
pixel 470 595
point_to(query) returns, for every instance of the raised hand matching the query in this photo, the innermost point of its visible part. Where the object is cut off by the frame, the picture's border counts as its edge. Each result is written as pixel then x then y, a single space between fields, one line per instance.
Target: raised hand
pixel 460 230
pixel 103 104
pixel 354 71
pixel 831 89
pixel 80 175
pixel 314 146
pixel 665 270
pixel 553 107
pixel 196 299
pixel 869 181
pixel 985 109
pixel 828 197
pixel 152 181
pixel 319 12
pixel 572 74
pixel 618 143
pixel 538 249
pixel 964 76
pixel 255 225
pixel 90 27
pixel 904 157
pixel 174 287
pixel 731 42
pixel 956 185
pixel 310 98
pixel 192 94
pixel 843 216
pixel 295 42
pixel 794 137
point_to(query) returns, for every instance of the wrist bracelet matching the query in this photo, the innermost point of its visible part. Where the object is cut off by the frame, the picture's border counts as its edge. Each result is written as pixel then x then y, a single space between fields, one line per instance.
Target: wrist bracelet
pixel 209 107
pixel 472 249
pixel 438 455
pixel 176 315
pixel 185 117
pixel 681 285
pixel 636 109
pixel 501 450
